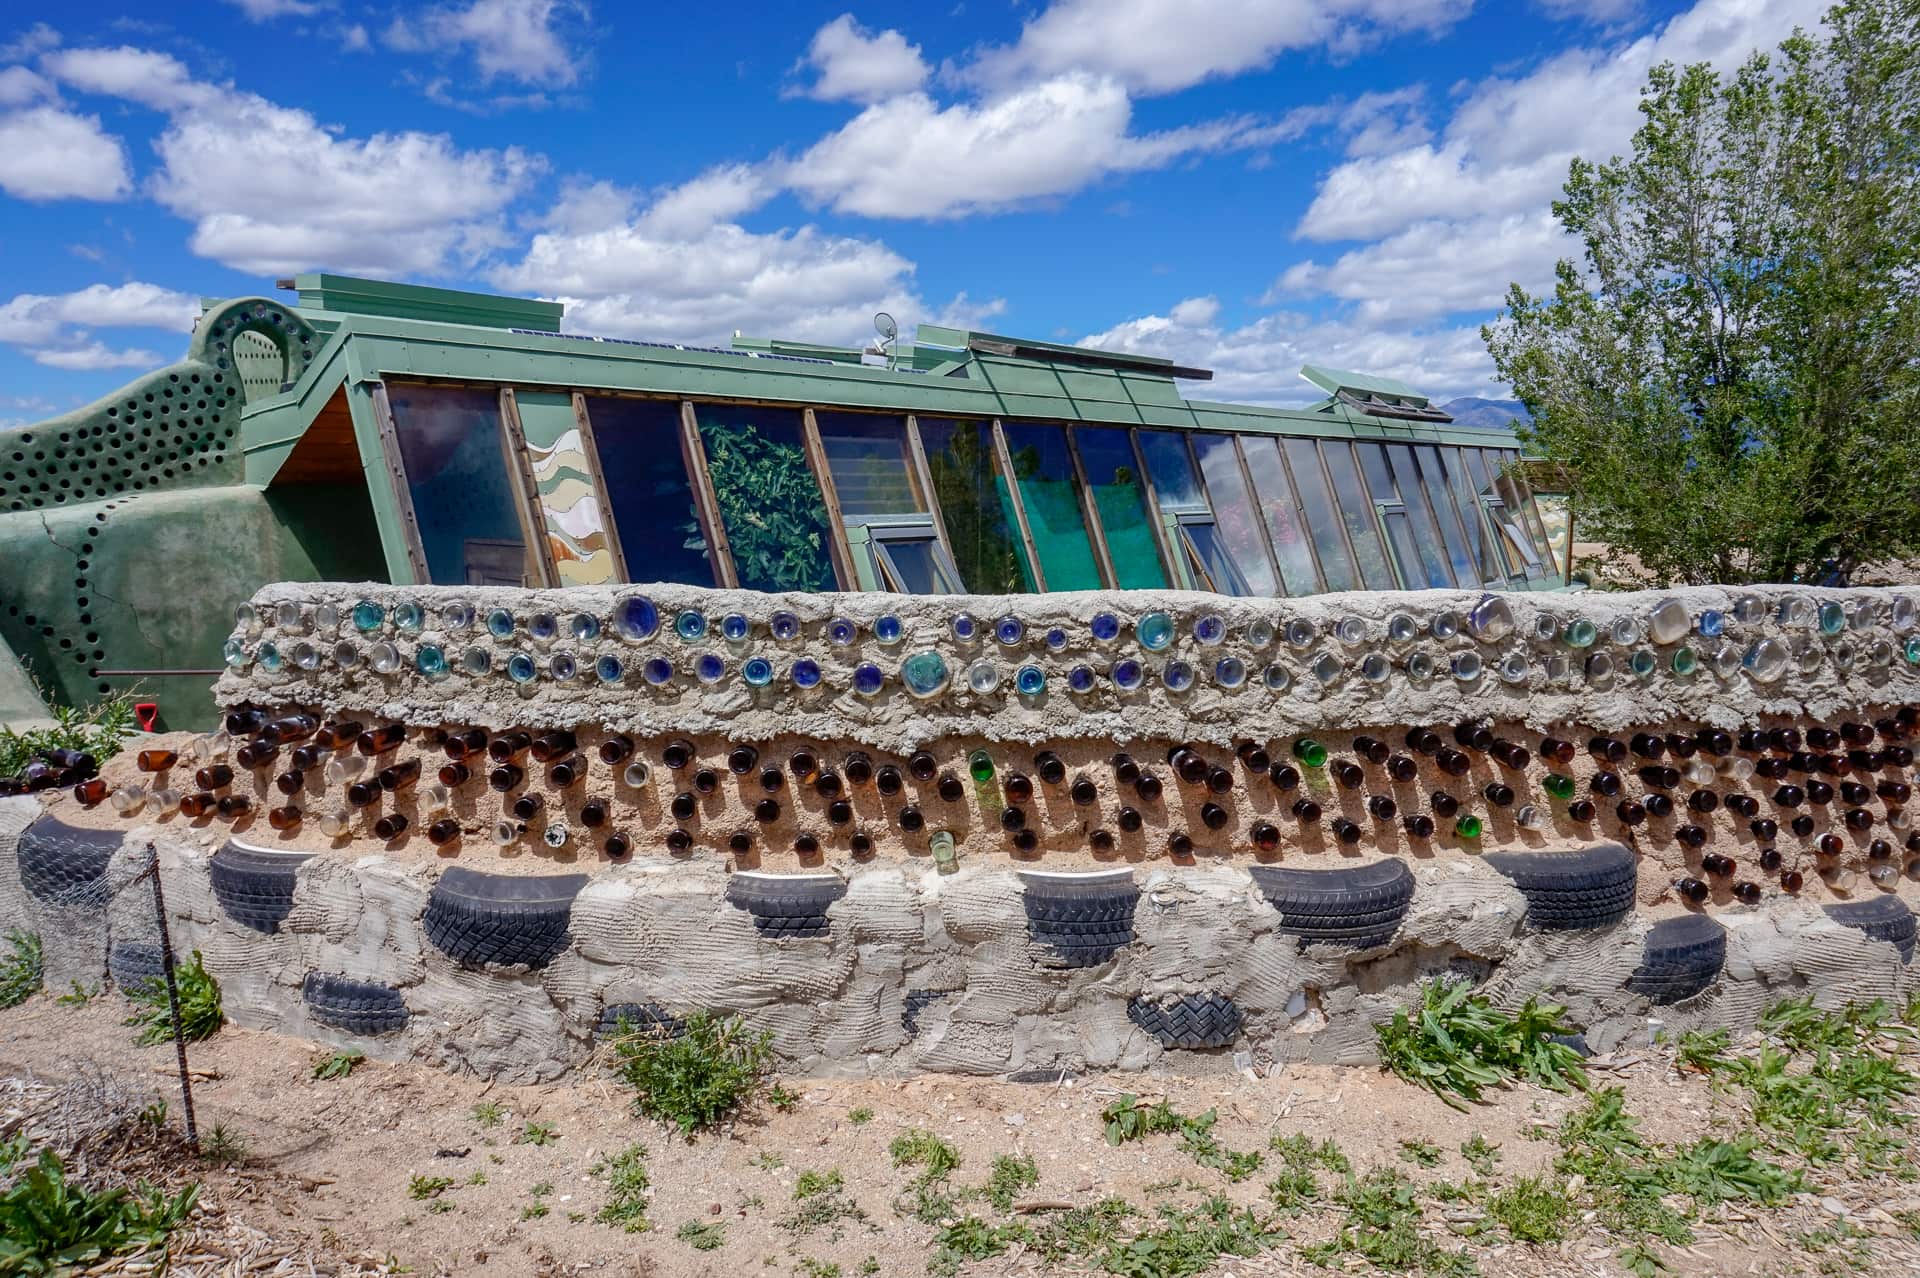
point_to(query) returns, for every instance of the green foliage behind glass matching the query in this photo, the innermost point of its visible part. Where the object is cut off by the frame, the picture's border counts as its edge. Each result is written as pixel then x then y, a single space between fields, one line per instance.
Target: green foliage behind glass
pixel 770 506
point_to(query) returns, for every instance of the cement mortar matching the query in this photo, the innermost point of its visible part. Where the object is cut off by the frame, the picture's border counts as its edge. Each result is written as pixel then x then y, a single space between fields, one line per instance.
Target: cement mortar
pixel 893 720
pixel 665 934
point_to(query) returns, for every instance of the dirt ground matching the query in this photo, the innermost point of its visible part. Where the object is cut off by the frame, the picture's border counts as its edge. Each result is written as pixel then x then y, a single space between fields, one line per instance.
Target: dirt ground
pixel 324 1186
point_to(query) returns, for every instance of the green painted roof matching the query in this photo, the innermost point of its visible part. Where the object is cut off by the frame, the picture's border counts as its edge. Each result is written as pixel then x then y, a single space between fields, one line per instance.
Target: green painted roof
pixel 348 295
pixel 1335 380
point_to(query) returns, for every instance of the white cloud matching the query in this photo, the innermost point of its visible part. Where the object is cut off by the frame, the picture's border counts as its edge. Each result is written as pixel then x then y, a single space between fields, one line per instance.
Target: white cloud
pixel 35 39
pixel 19 86
pixel 717 195
pixel 298 195
pixel 50 154
pixel 1259 362
pixel 40 319
pixel 268 10
pixel 93 356
pixel 1507 147
pixel 510 39
pixel 855 65
pixel 354 39
pixel 1436 267
pixel 911 157
pixel 1590 10
pixel 1158 46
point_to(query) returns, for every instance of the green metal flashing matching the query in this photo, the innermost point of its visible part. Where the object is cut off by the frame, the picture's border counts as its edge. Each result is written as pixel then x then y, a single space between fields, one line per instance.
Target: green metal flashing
pixel 347 295
pixel 270 429
pixel 1335 380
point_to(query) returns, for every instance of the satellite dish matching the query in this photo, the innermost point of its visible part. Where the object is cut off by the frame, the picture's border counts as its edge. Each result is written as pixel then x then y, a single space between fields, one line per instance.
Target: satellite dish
pixel 885 325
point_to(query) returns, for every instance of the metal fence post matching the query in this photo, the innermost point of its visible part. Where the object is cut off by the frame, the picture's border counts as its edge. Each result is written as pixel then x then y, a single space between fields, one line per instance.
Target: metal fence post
pixel 173 997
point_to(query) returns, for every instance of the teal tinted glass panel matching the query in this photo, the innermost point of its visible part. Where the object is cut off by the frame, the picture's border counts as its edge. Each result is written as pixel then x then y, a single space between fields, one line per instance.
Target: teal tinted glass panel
pixel 647 490
pixel 1321 518
pixel 457 476
pixel 1356 512
pixel 1285 525
pixel 1233 512
pixel 871 468
pixel 1174 483
pixel 769 502
pixel 1050 493
pixel 1121 499
pixel 974 506
pixel 1439 493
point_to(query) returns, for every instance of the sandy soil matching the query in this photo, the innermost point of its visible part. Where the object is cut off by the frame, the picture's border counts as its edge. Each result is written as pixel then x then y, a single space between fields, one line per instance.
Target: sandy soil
pixel 330 1163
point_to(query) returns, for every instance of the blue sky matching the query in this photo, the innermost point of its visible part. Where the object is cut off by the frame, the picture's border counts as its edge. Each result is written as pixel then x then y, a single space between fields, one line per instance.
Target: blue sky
pixel 1246 185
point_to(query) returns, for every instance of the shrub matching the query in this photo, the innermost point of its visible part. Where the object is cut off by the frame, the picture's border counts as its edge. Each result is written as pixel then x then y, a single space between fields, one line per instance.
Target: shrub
pixel 200 1014
pixel 49 1224
pixel 99 730
pixel 22 970
pixel 698 1079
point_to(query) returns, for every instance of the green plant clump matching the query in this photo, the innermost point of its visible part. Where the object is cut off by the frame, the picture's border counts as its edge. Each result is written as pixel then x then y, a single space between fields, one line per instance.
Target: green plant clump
pixel 200 1014
pixel 703 1235
pixel 22 970
pixel 1457 1045
pixel 1010 1177
pixel 99 730
pixel 51 1225
pixel 338 1065
pixel 627 1186
pixel 698 1079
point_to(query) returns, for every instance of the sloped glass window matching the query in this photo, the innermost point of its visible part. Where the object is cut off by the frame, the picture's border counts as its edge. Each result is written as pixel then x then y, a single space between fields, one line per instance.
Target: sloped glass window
pixel 871 467
pixel 1439 494
pixel 1233 512
pixel 1357 514
pixel 463 501
pixel 1050 495
pixel 638 441
pixel 975 506
pixel 1285 525
pixel 1322 519
pixel 769 501
pixel 1415 547
pixel 1466 503
pixel 1113 475
pixel 1520 500
pixel 1516 550
pixel 1432 546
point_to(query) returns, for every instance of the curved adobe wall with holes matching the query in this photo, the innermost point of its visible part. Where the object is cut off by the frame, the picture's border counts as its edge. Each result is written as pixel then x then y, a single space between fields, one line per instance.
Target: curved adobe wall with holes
pixel 1667 808
pixel 101 505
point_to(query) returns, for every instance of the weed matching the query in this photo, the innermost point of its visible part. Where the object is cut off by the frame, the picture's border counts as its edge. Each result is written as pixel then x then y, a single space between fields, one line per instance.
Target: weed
pixel 1704 1051
pixel 823 1204
pixel 200 1014
pixel 478 1178
pixel 77 995
pixel 22 970
pixel 921 1148
pixel 1457 1045
pixel 1188 1242
pixel 1010 1176
pixel 1298 1150
pixel 1466 1191
pixel 489 1113
pixel 541 1189
pixel 1480 1153
pixel 534 1211
pixel 708 1235
pixel 422 1188
pixel 1715 1171
pixel 537 1134
pixel 1640 1260
pixel 818 1268
pixel 871 1265
pixel 338 1065
pixel 224 1146
pixel 51 1225
pixel 627 1185
pixel 1293 1188
pixel 971 1239
pixel 695 1080
pixel 441 1206
pixel 1532 1209
pixel 1421 1153
pixel 1382 1225
pixel 767 1160
pixel 1128 1119
pixel 860 1116
pixel 1082 1231
pixel 99 730
pixel 782 1099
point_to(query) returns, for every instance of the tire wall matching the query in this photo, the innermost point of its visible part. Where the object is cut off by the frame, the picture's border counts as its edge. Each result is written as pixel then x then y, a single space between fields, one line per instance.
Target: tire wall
pixel 952 956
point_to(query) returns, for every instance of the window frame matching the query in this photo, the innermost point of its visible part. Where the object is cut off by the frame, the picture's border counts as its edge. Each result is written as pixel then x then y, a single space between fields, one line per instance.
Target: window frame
pixel 881 530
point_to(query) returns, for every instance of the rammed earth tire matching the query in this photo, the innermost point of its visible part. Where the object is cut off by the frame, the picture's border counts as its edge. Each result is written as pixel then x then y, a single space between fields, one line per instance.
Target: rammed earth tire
pixel 1568 891
pixel 640 1018
pixel 61 865
pixel 133 964
pixel 1884 918
pixel 1359 907
pixel 358 1007
pixel 1682 957
pixel 254 888
pixel 915 1002
pixel 1192 1021
pixel 786 906
pixel 476 918
pixel 1084 918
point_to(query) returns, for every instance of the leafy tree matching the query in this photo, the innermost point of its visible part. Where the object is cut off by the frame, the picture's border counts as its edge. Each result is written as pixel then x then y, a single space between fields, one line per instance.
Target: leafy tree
pixel 1732 373
pixel 770 506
